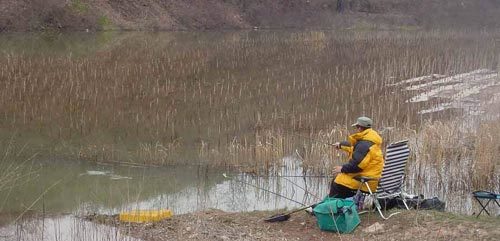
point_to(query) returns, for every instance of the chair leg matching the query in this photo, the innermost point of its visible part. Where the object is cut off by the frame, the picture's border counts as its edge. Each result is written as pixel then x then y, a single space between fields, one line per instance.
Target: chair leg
pixel 483 207
pixel 377 204
pixel 379 209
pixel 404 202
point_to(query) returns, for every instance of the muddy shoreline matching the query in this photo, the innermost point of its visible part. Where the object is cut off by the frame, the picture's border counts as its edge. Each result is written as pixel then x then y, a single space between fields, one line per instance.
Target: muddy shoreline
pixel 220 225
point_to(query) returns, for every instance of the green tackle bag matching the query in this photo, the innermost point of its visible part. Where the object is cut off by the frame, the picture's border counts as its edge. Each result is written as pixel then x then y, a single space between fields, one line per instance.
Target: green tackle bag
pixel 337 215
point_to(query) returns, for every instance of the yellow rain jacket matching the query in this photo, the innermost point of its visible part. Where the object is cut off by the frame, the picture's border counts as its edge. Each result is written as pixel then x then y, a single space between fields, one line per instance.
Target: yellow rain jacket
pixel 365 159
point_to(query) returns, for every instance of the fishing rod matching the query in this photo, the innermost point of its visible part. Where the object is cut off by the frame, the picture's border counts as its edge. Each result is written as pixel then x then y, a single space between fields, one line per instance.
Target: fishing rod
pixel 263 189
pixel 281 216
pixel 313 139
pixel 304 189
pixel 288 180
pixel 289 176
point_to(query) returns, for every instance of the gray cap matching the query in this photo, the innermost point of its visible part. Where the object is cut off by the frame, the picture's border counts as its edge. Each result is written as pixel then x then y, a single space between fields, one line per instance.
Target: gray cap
pixel 364 122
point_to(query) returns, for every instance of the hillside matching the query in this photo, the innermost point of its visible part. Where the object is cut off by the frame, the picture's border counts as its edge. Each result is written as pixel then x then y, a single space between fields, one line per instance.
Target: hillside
pixel 33 15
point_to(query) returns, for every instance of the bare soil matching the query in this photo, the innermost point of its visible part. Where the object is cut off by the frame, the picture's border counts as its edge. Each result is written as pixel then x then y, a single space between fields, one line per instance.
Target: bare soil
pixel 219 225
pixel 32 15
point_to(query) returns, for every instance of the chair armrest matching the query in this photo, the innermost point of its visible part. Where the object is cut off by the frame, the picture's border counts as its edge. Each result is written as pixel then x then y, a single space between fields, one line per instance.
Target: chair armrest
pixel 364 179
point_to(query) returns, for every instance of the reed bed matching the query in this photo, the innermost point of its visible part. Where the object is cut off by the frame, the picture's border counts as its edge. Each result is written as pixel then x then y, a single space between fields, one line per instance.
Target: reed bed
pixel 234 99
pixel 449 162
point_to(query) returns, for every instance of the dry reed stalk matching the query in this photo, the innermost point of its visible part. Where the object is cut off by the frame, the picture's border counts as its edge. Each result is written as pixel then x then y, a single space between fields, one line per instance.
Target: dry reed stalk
pixel 486 167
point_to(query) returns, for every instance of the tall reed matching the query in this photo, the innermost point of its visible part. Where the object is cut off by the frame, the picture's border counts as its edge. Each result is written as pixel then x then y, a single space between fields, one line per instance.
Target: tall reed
pixel 235 99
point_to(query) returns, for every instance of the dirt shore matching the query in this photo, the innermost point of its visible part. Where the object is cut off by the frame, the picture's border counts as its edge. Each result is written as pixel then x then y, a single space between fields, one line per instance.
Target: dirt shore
pixel 219 225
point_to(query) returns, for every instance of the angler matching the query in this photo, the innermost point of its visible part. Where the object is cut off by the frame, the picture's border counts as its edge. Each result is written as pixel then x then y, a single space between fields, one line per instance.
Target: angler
pixel 365 159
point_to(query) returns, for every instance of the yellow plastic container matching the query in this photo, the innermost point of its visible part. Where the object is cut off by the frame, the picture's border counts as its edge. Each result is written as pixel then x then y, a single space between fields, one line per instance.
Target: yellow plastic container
pixel 141 216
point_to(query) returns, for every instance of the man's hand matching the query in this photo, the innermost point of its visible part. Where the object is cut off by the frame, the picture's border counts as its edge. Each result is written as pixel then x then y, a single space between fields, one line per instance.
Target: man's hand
pixel 337 169
pixel 336 145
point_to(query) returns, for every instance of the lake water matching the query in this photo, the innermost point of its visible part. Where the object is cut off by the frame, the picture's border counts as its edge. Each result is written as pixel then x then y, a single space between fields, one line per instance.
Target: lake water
pixel 83 187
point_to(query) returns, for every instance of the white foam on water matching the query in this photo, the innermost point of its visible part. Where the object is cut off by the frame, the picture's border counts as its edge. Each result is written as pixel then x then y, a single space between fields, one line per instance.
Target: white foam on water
pixel 118 177
pixel 426 96
pixel 97 173
pixel 105 173
pixel 438 108
pixel 474 93
pixel 495 99
pixel 462 99
pixel 419 79
pixel 460 90
pixel 473 90
pixel 455 78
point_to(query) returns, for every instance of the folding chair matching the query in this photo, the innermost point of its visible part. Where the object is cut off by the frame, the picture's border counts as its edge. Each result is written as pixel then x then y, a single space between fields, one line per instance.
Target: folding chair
pixel 482 195
pixel 391 181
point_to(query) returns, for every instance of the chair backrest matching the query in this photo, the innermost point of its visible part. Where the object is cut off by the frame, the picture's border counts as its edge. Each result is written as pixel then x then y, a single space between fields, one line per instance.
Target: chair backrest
pixel 396 157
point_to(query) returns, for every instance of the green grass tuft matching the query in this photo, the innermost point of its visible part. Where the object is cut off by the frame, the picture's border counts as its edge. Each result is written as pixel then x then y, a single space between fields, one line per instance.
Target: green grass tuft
pixel 79 6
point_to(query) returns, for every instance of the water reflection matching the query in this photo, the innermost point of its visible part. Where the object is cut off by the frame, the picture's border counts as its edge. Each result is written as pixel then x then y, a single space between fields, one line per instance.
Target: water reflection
pixel 102 185
pixel 234 195
pixel 93 188
pixel 61 228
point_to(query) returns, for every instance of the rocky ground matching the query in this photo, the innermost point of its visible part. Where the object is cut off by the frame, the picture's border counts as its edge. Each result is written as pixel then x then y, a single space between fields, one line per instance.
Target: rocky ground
pixel 219 225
